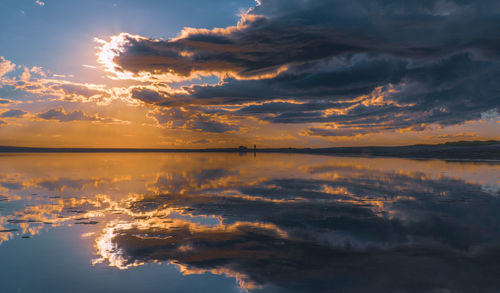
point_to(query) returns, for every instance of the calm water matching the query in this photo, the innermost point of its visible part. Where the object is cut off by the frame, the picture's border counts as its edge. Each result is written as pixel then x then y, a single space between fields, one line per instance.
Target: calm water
pixel 231 223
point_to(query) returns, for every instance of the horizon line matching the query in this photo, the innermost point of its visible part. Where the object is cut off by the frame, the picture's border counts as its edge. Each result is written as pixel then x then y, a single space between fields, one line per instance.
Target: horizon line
pixel 245 148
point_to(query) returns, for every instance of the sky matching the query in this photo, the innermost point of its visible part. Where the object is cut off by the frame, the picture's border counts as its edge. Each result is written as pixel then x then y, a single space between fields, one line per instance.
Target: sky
pixel 276 73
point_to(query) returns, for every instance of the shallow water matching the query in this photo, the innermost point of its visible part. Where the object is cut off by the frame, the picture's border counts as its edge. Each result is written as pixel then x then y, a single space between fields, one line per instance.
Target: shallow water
pixel 230 223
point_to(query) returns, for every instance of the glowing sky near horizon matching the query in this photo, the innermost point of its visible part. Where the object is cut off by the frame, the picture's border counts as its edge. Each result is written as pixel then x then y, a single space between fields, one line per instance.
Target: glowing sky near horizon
pixel 225 73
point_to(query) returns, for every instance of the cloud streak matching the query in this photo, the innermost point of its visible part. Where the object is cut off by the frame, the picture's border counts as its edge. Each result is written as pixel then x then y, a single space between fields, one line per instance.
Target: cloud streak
pixel 59 114
pixel 14 113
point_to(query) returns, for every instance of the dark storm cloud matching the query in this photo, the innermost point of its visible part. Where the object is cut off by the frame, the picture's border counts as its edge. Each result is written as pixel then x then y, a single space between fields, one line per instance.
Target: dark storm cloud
pixel 441 56
pixel 447 91
pixel 14 113
pixel 348 80
pixel 297 31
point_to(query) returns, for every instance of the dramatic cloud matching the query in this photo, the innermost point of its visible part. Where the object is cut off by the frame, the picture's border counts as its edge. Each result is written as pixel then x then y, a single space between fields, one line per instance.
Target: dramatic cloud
pixel 434 62
pixel 291 73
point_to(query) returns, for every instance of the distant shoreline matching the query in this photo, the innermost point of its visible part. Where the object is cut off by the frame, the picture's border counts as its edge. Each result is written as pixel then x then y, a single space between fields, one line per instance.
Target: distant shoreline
pixel 478 150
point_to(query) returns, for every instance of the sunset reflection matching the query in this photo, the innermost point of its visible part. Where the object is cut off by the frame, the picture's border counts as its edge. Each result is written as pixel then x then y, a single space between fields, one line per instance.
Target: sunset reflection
pixel 272 222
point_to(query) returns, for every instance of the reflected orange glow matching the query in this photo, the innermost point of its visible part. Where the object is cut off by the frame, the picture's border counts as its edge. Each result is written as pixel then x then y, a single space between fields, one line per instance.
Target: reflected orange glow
pixel 179 199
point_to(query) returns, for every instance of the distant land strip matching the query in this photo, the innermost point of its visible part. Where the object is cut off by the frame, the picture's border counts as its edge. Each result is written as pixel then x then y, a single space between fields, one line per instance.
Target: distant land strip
pixel 462 150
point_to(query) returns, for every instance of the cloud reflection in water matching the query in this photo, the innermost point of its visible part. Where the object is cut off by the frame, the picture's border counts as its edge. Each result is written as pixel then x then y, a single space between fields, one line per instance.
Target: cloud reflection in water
pixel 291 223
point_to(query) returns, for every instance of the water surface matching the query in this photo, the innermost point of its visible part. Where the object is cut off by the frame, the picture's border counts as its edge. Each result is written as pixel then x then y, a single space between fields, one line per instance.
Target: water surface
pixel 235 223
